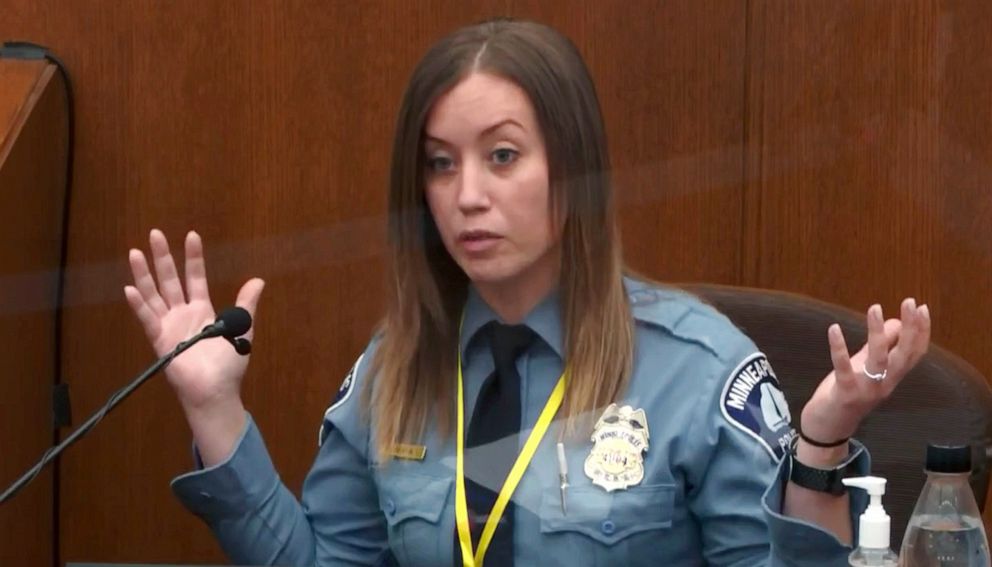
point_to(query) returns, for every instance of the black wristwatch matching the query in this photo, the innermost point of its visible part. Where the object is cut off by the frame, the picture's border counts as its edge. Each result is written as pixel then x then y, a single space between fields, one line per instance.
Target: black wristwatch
pixel 820 480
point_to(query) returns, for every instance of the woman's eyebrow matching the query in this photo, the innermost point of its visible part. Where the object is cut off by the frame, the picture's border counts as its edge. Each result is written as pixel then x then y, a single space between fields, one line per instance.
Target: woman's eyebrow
pixel 428 137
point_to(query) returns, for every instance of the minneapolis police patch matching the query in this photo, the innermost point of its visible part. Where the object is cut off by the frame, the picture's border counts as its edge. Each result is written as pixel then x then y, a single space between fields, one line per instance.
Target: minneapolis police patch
pixel 753 402
pixel 344 392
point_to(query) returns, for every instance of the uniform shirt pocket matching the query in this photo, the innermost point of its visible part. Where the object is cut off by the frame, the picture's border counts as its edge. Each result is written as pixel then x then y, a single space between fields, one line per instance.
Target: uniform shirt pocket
pixel 413 505
pixel 608 517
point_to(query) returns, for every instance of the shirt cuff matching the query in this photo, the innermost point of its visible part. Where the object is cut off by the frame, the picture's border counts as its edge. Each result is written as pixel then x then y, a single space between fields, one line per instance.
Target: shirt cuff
pixel 799 542
pixel 233 487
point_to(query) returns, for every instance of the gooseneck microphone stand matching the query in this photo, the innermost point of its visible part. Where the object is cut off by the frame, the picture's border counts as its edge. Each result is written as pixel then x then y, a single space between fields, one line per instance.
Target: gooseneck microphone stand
pixel 230 324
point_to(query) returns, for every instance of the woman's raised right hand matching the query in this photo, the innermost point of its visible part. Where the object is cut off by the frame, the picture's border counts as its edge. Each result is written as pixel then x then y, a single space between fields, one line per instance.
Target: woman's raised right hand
pixel 207 377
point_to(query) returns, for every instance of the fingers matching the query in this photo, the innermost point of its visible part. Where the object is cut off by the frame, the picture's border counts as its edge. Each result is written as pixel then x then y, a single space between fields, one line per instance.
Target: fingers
pixel 165 270
pixel 878 342
pixel 907 337
pixel 850 396
pixel 147 316
pixel 923 337
pixel 248 299
pixel 907 313
pixel 839 354
pixel 891 329
pixel 196 269
pixel 145 283
pixel 914 338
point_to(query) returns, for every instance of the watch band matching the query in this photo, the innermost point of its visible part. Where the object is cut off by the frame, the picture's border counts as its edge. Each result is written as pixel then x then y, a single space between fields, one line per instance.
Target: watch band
pixel 828 481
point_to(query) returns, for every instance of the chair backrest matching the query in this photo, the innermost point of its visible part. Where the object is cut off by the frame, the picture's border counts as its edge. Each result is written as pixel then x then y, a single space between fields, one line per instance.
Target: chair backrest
pixel 942 399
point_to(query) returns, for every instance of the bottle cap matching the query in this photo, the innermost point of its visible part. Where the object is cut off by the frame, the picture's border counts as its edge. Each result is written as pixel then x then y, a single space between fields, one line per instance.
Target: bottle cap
pixel 948 458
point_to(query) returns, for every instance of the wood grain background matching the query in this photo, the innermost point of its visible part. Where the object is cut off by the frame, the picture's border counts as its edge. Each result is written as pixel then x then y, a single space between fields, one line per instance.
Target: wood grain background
pixel 32 185
pixel 836 148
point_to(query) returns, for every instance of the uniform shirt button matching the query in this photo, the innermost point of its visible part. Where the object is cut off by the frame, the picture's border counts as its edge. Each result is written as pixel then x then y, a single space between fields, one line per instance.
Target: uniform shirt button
pixel 390 507
pixel 608 527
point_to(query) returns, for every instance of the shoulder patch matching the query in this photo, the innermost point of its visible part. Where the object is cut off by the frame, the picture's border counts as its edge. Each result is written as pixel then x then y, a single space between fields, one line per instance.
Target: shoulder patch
pixel 753 402
pixel 344 392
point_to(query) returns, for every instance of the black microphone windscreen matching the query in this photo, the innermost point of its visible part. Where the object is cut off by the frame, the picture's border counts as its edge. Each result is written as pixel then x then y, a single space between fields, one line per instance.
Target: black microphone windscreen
pixel 236 321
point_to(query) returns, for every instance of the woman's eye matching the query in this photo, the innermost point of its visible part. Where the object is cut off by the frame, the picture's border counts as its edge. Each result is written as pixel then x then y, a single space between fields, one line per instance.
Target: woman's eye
pixel 440 163
pixel 504 156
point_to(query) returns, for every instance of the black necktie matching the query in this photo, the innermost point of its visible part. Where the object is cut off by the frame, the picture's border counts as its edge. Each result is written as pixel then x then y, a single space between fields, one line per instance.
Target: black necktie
pixel 492 442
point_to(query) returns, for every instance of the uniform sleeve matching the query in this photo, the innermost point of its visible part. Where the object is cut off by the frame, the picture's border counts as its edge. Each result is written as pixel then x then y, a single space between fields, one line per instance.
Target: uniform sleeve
pixel 339 494
pixel 737 497
pixel 254 517
pixel 795 542
pixel 258 521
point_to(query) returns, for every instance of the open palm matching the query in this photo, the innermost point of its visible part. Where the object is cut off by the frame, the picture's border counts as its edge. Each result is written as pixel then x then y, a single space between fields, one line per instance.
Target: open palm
pixel 211 370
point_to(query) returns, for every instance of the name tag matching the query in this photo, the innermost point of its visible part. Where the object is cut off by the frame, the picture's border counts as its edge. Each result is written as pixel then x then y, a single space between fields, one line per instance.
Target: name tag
pixel 408 452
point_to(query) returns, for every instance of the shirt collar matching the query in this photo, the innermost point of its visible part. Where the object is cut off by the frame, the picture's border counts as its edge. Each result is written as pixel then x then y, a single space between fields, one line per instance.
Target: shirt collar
pixel 544 319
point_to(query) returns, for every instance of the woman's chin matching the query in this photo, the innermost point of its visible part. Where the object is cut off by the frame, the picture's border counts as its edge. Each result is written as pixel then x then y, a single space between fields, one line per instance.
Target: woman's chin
pixel 487 278
pixel 486 273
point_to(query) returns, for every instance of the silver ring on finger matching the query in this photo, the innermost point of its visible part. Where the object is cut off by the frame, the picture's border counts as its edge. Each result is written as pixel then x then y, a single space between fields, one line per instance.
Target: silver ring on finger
pixel 875 377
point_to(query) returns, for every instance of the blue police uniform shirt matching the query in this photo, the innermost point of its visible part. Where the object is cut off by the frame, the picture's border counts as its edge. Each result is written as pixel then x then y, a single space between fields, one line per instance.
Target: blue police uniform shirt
pixel 711 491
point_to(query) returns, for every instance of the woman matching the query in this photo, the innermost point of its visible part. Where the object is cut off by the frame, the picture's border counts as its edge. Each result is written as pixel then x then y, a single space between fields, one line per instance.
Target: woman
pixel 642 427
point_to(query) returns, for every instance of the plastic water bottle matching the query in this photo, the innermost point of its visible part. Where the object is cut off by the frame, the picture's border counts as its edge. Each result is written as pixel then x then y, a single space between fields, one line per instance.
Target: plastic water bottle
pixel 946 529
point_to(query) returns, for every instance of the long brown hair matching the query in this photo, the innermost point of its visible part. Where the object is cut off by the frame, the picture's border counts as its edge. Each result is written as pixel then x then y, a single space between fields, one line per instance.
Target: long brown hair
pixel 415 364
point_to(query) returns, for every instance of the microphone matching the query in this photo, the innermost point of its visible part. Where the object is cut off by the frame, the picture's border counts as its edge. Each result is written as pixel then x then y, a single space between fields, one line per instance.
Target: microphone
pixel 231 323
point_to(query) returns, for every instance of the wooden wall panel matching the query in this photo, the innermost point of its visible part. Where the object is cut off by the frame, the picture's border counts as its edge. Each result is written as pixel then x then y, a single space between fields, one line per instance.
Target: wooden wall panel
pixel 760 143
pixel 671 82
pixel 32 174
pixel 172 118
pixel 867 162
pixel 962 258
pixel 841 186
pixel 868 152
pixel 266 126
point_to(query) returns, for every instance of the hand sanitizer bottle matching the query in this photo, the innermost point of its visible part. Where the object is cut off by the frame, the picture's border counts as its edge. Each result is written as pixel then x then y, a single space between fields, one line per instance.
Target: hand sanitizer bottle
pixel 873 531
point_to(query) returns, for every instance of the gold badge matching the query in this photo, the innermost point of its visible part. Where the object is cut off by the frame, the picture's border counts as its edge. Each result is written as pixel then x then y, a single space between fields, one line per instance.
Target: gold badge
pixel 621 437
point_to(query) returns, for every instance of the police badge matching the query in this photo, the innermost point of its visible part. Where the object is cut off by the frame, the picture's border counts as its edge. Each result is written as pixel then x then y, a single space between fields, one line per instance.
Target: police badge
pixel 620 436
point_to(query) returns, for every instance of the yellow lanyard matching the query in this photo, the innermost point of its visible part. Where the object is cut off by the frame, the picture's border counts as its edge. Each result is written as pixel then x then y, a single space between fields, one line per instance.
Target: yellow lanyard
pixel 512 479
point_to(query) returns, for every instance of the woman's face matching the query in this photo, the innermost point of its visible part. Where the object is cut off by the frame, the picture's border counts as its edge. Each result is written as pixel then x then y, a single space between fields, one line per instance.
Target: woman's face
pixel 486 180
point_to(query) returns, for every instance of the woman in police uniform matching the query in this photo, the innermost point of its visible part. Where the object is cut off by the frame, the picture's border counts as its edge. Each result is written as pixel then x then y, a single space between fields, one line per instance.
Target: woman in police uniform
pixel 525 402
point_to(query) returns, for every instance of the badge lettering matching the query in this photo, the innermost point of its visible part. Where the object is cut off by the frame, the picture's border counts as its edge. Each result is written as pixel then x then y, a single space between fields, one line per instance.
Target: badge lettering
pixel 620 438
